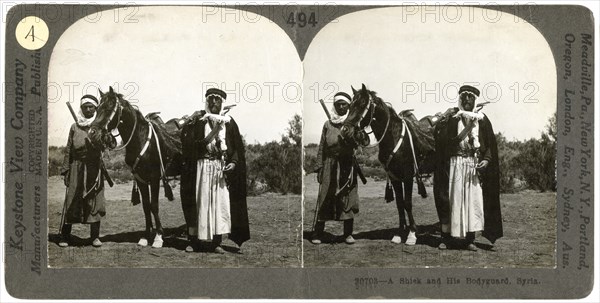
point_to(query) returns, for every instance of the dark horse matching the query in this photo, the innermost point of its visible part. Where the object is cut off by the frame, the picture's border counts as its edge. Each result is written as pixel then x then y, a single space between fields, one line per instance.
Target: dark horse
pixel 140 137
pixel 398 147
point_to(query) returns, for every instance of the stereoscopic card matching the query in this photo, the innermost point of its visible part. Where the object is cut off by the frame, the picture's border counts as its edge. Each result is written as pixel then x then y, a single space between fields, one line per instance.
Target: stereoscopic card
pixel 299 151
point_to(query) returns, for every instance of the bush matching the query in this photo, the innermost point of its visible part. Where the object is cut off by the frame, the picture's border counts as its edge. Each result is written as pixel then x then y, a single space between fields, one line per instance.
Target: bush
pixel 537 163
pixel 276 166
pixel 310 158
pixel 55 158
pixel 507 154
pixel 530 164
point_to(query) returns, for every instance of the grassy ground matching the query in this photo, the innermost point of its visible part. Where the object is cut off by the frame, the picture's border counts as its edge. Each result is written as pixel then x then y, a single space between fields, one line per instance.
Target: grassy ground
pixel 275 227
pixel 529 234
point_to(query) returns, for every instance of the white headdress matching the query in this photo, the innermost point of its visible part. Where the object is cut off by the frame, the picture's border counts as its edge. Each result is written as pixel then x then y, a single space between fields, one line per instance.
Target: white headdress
pixel 474 116
pixel 81 119
pixel 335 116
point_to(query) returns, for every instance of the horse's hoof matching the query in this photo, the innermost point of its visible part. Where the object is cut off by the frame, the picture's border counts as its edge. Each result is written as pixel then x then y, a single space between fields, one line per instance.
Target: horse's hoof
pixel 411 239
pixel 143 242
pixel 158 241
pixel 396 240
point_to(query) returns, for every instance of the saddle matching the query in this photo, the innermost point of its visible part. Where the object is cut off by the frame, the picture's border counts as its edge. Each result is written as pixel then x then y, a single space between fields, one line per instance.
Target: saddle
pixel 172 126
pixel 170 134
pixel 423 136
pixel 426 123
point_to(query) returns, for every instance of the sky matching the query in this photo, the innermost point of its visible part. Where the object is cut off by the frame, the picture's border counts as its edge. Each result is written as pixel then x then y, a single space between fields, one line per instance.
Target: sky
pixel 417 62
pixel 164 58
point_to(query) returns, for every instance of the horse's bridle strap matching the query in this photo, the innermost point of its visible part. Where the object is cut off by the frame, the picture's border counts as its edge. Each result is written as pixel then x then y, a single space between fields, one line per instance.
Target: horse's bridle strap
pixel 364 114
pixel 144 148
pixel 118 108
pixel 397 147
pixel 132 132
pixel 412 149
pixel 112 115
pixel 387 123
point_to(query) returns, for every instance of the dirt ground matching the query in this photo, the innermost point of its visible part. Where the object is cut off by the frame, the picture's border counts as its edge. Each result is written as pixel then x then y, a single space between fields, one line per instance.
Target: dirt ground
pixel 275 227
pixel 276 230
pixel 529 220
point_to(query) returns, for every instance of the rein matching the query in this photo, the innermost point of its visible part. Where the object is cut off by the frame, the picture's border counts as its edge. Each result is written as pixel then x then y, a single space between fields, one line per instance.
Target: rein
pixel 405 131
pixel 367 129
pixel 119 109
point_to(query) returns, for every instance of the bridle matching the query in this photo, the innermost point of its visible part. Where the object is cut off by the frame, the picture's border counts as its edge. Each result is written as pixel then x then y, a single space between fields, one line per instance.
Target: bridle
pixel 114 132
pixel 367 129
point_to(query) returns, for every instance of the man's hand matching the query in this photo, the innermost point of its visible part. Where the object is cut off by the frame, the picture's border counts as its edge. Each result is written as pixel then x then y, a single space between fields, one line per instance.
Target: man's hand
pixel 66 178
pixel 230 166
pixel 483 164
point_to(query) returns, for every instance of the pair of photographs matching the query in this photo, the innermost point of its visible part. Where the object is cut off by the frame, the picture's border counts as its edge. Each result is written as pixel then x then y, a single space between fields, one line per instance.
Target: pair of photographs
pixel 316 137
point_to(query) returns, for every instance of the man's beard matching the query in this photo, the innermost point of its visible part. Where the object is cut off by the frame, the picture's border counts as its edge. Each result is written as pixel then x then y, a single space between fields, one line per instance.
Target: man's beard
pixel 214 109
pixel 468 106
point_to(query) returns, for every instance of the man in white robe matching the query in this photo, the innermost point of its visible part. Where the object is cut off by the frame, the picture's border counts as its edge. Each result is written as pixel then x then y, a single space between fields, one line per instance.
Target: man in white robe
pixel 466 184
pixel 213 188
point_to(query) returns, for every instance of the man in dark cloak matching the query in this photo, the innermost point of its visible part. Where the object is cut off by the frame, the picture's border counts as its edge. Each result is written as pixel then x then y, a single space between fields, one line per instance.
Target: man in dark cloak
pixel 213 178
pixel 466 179
pixel 337 175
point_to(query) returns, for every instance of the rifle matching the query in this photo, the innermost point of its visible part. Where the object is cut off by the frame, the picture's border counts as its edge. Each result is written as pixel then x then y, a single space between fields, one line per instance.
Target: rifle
pixel 359 170
pixel 102 167
pixel 325 109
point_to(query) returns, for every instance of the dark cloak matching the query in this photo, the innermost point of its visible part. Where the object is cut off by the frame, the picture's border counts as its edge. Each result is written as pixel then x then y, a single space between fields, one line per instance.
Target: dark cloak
pixel 82 165
pixel 193 147
pixel 446 144
pixel 338 192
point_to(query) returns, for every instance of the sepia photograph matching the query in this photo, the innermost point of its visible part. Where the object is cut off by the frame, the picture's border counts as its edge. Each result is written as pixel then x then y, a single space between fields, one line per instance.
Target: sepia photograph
pixel 174 141
pixel 429 141
pixel 288 151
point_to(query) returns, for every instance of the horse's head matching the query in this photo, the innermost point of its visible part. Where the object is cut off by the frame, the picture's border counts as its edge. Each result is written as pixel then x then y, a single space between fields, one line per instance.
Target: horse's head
pixel 360 115
pixel 107 118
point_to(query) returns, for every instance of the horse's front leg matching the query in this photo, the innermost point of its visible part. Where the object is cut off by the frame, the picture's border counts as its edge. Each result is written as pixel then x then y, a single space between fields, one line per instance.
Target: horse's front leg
pixel 412 228
pixel 147 215
pixel 155 189
pixel 397 185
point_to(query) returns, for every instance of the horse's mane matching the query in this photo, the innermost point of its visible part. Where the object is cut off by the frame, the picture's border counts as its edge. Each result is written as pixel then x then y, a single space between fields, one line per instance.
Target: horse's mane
pixel 423 138
pixel 393 114
pixel 170 142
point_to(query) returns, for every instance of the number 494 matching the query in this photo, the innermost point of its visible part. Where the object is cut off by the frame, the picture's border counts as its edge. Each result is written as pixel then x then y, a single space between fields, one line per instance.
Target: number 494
pixel 301 20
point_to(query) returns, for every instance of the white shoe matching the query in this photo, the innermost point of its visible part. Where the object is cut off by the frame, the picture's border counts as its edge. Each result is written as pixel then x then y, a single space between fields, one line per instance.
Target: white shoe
pixel 96 243
pixel 64 241
pixel 411 239
pixel 350 240
pixel 396 240
pixel 158 241
pixel 143 242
